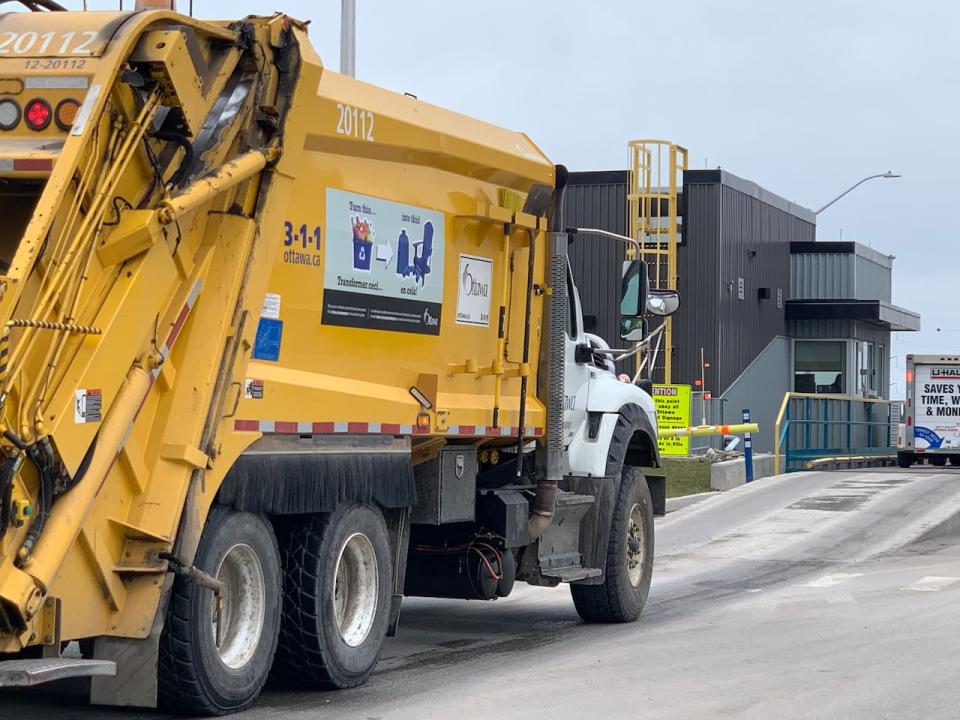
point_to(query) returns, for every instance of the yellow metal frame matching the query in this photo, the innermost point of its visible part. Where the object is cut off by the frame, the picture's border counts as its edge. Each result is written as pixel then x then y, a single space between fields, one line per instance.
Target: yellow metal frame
pixel 656 176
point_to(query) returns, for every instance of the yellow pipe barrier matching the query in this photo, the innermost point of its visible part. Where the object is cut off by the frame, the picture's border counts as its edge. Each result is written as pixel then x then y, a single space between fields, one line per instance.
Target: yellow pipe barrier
pixel 702 430
pixel 814 464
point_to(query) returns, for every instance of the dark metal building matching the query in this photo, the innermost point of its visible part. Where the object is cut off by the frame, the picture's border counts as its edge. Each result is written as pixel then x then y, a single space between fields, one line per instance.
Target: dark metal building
pixel 734 267
pixel 773 310
pixel 599 200
pixel 733 262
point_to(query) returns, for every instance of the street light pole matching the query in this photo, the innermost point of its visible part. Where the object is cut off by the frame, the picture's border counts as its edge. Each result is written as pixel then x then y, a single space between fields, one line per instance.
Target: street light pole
pixel 348 37
pixel 887 174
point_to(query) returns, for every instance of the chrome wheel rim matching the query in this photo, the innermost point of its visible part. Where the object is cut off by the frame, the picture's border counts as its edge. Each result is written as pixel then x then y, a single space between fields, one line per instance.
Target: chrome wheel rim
pixel 356 589
pixel 239 612
pixel 636 546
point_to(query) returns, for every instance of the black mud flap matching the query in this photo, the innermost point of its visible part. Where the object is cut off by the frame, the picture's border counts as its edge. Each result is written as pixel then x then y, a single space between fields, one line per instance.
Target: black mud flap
pixel 658 493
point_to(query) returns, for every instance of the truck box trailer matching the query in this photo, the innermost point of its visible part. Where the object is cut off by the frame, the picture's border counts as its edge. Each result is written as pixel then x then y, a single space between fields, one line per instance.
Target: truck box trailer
pixel 278 349
pixel 930 427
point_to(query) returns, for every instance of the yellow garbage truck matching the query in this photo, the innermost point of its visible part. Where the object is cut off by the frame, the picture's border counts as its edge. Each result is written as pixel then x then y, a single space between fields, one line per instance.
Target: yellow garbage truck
pixel 279 348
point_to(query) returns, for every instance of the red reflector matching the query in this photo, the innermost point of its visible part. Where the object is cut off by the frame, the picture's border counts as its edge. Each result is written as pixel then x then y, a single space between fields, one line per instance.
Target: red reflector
pixel 27 164
pixel 909 421
pixel 38 114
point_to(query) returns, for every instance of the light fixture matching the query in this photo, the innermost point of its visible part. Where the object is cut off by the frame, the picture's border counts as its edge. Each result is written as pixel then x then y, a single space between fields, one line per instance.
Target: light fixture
pixel 38 114
pixel 9 114
pixel 66 113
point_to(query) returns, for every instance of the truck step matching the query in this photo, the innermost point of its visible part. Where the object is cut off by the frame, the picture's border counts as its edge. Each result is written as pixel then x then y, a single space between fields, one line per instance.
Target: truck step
pixel 569 499
pixel 24 673
pixel 569 574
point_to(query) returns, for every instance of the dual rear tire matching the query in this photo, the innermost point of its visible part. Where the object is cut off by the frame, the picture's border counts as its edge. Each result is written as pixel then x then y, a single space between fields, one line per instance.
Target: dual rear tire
pixel 337 585
pixel 311 603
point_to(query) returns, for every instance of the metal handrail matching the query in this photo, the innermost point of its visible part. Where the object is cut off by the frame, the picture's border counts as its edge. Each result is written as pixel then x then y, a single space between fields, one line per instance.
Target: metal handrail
pixel 781 428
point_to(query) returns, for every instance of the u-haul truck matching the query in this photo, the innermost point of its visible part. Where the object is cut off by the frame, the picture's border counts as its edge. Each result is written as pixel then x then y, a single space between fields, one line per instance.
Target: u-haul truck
pixel 931 421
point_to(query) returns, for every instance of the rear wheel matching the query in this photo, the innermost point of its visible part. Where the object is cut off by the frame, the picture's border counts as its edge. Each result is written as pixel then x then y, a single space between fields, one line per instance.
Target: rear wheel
pixel 337 588
pixel 904 459
pixel 938 460
pixel 629 562
pixel 214 660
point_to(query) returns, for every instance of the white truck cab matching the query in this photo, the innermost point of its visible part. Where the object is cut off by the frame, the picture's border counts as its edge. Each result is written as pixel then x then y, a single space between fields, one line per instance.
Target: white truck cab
pixel 594 395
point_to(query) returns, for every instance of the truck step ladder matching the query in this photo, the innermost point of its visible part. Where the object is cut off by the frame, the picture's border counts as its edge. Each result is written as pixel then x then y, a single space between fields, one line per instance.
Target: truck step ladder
pixel 559 548
pixel 569 574
pixel 26 673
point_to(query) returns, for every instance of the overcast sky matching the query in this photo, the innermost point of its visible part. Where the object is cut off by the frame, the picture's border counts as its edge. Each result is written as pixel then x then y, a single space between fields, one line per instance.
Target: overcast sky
pixel 804 98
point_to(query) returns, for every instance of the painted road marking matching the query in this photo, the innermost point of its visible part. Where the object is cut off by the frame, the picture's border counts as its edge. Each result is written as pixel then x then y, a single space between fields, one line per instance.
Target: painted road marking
pixel 831 580
pixel 931 583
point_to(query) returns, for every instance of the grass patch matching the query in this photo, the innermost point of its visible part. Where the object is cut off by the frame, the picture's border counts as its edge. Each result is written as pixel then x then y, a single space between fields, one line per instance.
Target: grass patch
pixel 685 477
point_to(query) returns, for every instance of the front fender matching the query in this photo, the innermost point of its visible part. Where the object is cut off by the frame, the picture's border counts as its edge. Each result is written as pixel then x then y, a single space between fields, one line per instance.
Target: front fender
pixel 627 432
pixel 608 395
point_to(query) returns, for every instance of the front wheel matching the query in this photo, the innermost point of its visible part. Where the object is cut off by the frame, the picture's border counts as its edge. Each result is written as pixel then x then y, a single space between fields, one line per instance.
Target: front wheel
pixel 629 562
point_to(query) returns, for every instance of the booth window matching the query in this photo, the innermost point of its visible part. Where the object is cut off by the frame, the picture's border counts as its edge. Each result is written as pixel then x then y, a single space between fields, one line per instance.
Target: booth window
pixel 819 366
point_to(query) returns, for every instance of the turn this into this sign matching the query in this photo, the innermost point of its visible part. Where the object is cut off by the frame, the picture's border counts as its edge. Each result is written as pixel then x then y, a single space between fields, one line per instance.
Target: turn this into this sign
pixel 673 411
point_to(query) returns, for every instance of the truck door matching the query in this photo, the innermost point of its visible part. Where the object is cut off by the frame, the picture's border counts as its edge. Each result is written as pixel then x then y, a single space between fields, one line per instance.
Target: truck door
pixel 577 375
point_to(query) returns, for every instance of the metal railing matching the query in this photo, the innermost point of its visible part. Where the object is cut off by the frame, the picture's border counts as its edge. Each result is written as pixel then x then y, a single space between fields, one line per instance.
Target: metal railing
pixel 814 426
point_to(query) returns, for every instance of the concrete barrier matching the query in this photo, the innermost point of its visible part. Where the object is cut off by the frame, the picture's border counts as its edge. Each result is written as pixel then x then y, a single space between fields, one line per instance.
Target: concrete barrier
pixel 729 474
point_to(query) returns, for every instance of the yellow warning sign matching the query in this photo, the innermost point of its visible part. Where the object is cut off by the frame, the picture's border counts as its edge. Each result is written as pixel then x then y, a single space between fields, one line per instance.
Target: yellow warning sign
pixel 673 411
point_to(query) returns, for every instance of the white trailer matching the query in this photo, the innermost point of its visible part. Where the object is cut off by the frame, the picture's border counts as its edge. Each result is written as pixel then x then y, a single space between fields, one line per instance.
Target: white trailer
pixel 931 421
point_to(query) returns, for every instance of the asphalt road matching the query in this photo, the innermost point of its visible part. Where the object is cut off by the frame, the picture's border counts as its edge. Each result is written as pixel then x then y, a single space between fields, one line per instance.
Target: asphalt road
pixel 817 595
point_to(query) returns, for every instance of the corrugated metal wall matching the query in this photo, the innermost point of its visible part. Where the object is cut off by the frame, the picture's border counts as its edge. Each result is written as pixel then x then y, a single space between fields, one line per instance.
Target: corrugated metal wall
pixel 696 324
pixel 599 199
pixel 821 276
pixel 733 229
pixel 736 233
pixel 873 280
pixel 840 275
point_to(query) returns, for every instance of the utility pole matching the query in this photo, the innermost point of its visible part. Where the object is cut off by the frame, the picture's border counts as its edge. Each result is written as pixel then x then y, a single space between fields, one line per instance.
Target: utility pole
pixel 348 37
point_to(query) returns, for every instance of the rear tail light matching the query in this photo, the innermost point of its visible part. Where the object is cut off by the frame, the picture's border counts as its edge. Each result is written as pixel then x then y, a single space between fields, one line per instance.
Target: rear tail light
pixel 38 114
pixel 66 113
pixel 9 114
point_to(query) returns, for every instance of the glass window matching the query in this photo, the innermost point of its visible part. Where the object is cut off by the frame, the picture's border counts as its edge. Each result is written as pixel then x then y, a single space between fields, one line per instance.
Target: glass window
pixel 819 366
pixel 883 389
pixel 866 369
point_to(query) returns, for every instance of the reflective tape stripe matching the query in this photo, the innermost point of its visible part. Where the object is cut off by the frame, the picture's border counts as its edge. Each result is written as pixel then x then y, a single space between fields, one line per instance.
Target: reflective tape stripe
pixel 371 428
pixel 56 82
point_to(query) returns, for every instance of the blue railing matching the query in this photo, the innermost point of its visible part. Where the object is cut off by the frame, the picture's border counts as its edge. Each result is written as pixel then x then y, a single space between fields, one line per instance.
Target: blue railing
pixel 812 427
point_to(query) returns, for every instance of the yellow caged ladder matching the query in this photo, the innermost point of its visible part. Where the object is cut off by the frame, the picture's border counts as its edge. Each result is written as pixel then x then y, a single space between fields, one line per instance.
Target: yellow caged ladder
pixel 656 176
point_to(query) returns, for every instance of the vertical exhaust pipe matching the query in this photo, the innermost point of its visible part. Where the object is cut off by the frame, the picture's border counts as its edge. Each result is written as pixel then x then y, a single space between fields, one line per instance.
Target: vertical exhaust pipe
pixel 552 359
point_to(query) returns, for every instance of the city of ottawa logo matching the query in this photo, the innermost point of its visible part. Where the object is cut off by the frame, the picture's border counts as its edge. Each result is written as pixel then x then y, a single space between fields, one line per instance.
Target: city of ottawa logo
pixel 471 286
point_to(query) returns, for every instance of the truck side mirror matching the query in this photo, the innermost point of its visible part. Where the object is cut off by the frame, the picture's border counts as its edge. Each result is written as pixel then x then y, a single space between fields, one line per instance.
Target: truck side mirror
pixel 633 288
pixel 663 302
pixel 633 329
pixel 633 300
